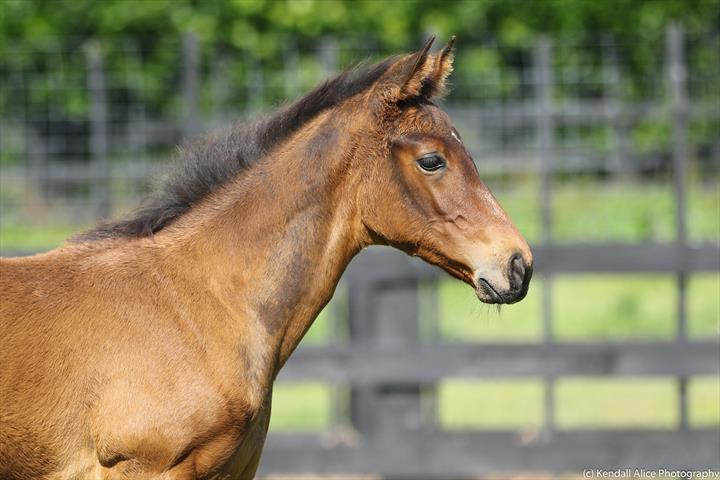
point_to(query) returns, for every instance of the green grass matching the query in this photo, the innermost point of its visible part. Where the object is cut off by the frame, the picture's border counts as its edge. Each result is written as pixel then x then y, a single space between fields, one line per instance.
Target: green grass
pixel 616 402
pixel 302 406
pixel 29 237
pixel 615 211
pixel 614 307
pixel 491 404
pixel 580 402
pixel 583 210
pixel 704 401
pixel 585 308
pixel 463 317
pixel 703 297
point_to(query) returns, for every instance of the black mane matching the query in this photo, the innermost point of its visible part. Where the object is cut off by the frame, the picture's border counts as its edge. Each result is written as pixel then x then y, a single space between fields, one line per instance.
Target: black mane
pixel 217 158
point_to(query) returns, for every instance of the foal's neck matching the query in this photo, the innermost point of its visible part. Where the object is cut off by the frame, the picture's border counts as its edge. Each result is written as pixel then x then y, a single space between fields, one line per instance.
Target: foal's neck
pixel 274 244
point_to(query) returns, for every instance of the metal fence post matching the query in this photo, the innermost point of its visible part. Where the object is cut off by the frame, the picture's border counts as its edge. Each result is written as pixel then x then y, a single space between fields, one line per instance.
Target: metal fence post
pixel 545 126
pixel 676 77
pixel 98 130
pixel 190 85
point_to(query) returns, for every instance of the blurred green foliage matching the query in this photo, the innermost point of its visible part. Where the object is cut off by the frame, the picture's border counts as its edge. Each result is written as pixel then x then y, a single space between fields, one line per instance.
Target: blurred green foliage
pixel 500 32
pixel 262 30
pixel 258 53
pixel 251 24
pixel 584 211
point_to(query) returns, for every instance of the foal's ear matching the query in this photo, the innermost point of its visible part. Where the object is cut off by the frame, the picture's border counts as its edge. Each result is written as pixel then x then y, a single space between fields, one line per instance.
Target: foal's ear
pixel 418 75
pixel 435 84
pixel 406 77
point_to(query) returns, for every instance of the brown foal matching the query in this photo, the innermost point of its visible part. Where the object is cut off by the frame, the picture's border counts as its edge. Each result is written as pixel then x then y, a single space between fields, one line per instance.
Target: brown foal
pixel 147 348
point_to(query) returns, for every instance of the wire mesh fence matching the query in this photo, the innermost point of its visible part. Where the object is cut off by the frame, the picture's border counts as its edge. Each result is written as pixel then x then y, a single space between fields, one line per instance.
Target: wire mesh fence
pixel 86 124
pixel 606 156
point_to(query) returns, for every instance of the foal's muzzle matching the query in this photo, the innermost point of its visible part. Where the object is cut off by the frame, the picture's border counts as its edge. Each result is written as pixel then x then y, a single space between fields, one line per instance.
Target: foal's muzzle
pixel 519 274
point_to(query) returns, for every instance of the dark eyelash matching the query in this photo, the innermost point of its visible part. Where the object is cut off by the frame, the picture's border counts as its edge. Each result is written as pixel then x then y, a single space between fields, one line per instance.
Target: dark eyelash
pixel 431 162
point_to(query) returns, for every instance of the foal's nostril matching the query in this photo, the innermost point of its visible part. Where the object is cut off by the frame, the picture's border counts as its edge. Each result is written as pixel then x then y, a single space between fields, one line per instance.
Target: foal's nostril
pixel 516 271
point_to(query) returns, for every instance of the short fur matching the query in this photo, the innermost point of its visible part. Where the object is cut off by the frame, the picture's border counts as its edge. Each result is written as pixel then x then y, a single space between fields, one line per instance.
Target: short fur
pixel 210 162
pixel 130 356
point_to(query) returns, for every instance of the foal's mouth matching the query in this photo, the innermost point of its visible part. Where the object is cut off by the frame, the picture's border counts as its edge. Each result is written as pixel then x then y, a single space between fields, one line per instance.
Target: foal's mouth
pixel 484 290
pixel 486 293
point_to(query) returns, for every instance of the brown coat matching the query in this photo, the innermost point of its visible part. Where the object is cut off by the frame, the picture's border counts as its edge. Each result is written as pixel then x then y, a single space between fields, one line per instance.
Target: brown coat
pixel 151 352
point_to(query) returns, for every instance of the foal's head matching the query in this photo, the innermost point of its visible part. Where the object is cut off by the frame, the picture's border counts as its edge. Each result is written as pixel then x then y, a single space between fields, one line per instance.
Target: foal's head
pixel 420 190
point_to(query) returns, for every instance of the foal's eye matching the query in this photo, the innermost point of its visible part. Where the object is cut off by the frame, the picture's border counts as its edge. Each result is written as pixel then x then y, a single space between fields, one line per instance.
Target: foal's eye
pixel 431 162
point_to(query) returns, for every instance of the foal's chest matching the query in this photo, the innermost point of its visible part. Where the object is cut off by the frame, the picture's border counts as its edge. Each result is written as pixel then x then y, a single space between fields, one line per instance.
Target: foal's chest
pixel 245 457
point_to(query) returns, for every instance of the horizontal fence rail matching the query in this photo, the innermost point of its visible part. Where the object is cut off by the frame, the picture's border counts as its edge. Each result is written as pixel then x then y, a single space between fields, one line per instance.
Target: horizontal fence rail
pixel 386 369
pixel 390 369
pixel 462 454
pixel 554 258
pixel 384 265
pixel 437 361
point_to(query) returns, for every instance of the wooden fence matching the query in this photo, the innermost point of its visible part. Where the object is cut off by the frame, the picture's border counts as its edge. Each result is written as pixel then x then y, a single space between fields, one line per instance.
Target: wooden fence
pixel 535 118
pixel 391 369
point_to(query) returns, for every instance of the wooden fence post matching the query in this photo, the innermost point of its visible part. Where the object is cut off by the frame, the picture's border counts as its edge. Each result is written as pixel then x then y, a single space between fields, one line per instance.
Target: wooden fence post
pixel 545 127
pixel 254 83
pixel 190 85
pixel 36 166
pixel 98 130
pixel 292 70
pixel 382 319
pixel 327 55
pixel 360 333
pixel 616 117
pixel 676 78
pixel 221 80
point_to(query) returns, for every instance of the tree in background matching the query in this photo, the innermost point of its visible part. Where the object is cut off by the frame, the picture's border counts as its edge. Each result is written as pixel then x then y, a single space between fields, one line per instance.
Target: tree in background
pixel 241 34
